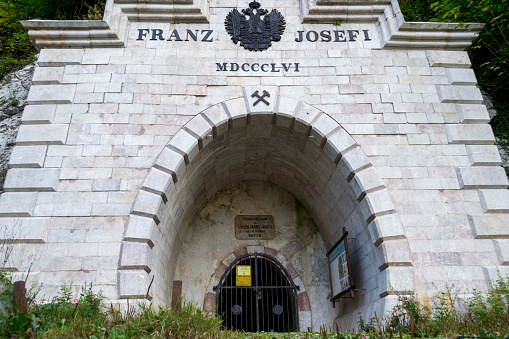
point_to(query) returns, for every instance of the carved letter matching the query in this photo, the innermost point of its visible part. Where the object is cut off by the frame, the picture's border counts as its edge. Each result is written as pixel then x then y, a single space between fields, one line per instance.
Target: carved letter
pixel 263 67
pixel 245 70
pixel 252 67
pixel 234 67
pixel 352 34
pixel 221 68
pixel 325 36
pixel 209 32
pixel 274 69
pixel 366 35
pixel 338 35
pixel 175 34
pixel 308 36
pixel 194 36
pixel 157 33
pixel 286 68
pixel 297 67
pixel 300 36
pixel 142 34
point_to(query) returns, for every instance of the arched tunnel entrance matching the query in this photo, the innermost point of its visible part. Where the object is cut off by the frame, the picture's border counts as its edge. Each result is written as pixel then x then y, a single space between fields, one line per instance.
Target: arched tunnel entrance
pixel 294 146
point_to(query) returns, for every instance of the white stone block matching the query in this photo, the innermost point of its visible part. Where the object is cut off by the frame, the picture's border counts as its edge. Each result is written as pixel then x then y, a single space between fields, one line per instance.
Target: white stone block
pixel 376 203
pixel 484 155
pixel 396 280
pixel 385 227
pixel 99 185
pixel 28 156
pixel 148 204
pixel 252 95
pixel 42 134
pixel 201 127
pixel 237 111
pixel 502 248
pixel 473 114
pixel 461 76
pixel 393 253
pixel 478 134
pixel 337 144
pixel 305 115
pixel 494 201
pixel 186 143
pixel 481 177
pixel 60 57
pixel 48 75
pixel 159 182
pixel 51 94
pixel 456 59
pixel 133 283
pixel 28 179
pixel 17 204
pixel 25 230
pixel 39 114
pixel 135 255
pixel 490 226
pixel 352 161
pixel 366 181
pixel 459 94
pixel 218 117
pixel 141 229
pixel 171 162
pixel 286 108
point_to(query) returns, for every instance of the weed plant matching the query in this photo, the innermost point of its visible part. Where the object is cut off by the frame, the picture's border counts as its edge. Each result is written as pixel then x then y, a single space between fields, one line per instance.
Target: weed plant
pixel 483 315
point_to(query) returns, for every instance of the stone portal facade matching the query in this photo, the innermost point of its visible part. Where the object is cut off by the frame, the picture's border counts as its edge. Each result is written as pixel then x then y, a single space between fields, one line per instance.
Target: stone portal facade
pixel 148 132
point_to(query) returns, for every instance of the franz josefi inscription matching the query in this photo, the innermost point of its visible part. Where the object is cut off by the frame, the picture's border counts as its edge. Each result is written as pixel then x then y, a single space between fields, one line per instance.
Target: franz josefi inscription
pixel 253 32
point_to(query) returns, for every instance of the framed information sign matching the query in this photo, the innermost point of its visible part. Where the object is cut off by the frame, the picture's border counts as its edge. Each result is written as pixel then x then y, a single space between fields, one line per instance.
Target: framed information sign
pixel 341 281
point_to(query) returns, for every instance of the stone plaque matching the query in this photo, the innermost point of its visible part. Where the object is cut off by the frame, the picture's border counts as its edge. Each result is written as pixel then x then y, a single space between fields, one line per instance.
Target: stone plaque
pixel 251 227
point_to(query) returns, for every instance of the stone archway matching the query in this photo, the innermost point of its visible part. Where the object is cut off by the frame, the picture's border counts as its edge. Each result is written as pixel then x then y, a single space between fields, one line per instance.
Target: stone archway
pixel 288 143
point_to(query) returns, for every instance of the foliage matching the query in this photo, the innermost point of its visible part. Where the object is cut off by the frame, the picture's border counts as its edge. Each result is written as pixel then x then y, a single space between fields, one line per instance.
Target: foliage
pixel 489 53
pixel 16 50
pixel 417 10
pixel 484 315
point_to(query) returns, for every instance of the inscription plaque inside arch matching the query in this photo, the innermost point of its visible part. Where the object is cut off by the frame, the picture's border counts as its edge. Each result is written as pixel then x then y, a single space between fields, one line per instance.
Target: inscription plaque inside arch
pixel 254 227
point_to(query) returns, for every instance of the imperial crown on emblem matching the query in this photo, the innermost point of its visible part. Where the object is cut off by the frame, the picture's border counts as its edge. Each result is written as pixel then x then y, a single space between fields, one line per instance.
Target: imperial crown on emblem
pixel 253 32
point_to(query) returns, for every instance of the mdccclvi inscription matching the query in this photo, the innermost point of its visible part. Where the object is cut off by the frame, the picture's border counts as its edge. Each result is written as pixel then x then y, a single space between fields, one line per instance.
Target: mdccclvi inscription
pixel 254 227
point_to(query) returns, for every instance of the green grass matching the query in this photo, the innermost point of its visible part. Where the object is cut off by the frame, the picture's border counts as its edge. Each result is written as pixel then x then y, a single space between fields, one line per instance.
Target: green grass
pixel 484 315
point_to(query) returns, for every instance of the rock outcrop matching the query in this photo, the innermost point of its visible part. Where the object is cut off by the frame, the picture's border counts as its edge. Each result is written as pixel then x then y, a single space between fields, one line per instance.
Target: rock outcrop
pixel 13 94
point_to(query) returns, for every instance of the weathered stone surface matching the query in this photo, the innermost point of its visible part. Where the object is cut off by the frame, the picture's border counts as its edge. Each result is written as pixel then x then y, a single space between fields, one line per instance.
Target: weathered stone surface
pixel 60 57
pixel 481 177
pixel 470 134
pixel 488 226
pixel 481 155
pixel 42 134
pixel 495 201
pixel 28 156
pixel 17 204
pixel 27 179
pixel 13 93
pixel 51 94
pixel 473 114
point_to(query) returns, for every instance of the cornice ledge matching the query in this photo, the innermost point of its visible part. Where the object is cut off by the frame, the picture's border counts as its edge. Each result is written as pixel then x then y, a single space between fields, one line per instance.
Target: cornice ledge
pixel 344 11
pixel 71 34
pixel 168 11
pixel 434 35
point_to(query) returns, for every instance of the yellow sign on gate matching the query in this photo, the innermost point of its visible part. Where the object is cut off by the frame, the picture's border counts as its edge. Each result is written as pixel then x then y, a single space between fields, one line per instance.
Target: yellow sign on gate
pixel 243 275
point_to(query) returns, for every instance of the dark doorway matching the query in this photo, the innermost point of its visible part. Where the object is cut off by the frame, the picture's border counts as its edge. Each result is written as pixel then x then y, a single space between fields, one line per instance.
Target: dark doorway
pixel 268 303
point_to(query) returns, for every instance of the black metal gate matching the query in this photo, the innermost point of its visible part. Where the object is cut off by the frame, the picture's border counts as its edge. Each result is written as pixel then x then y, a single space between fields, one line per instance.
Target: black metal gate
pixel 269 304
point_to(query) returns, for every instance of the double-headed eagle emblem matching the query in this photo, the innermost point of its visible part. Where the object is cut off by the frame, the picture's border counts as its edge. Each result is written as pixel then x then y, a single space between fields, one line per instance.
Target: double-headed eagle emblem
pixel 253 32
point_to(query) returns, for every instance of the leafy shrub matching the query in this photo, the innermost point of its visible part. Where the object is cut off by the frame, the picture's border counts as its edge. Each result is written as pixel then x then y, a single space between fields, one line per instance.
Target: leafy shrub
pixel 16 50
